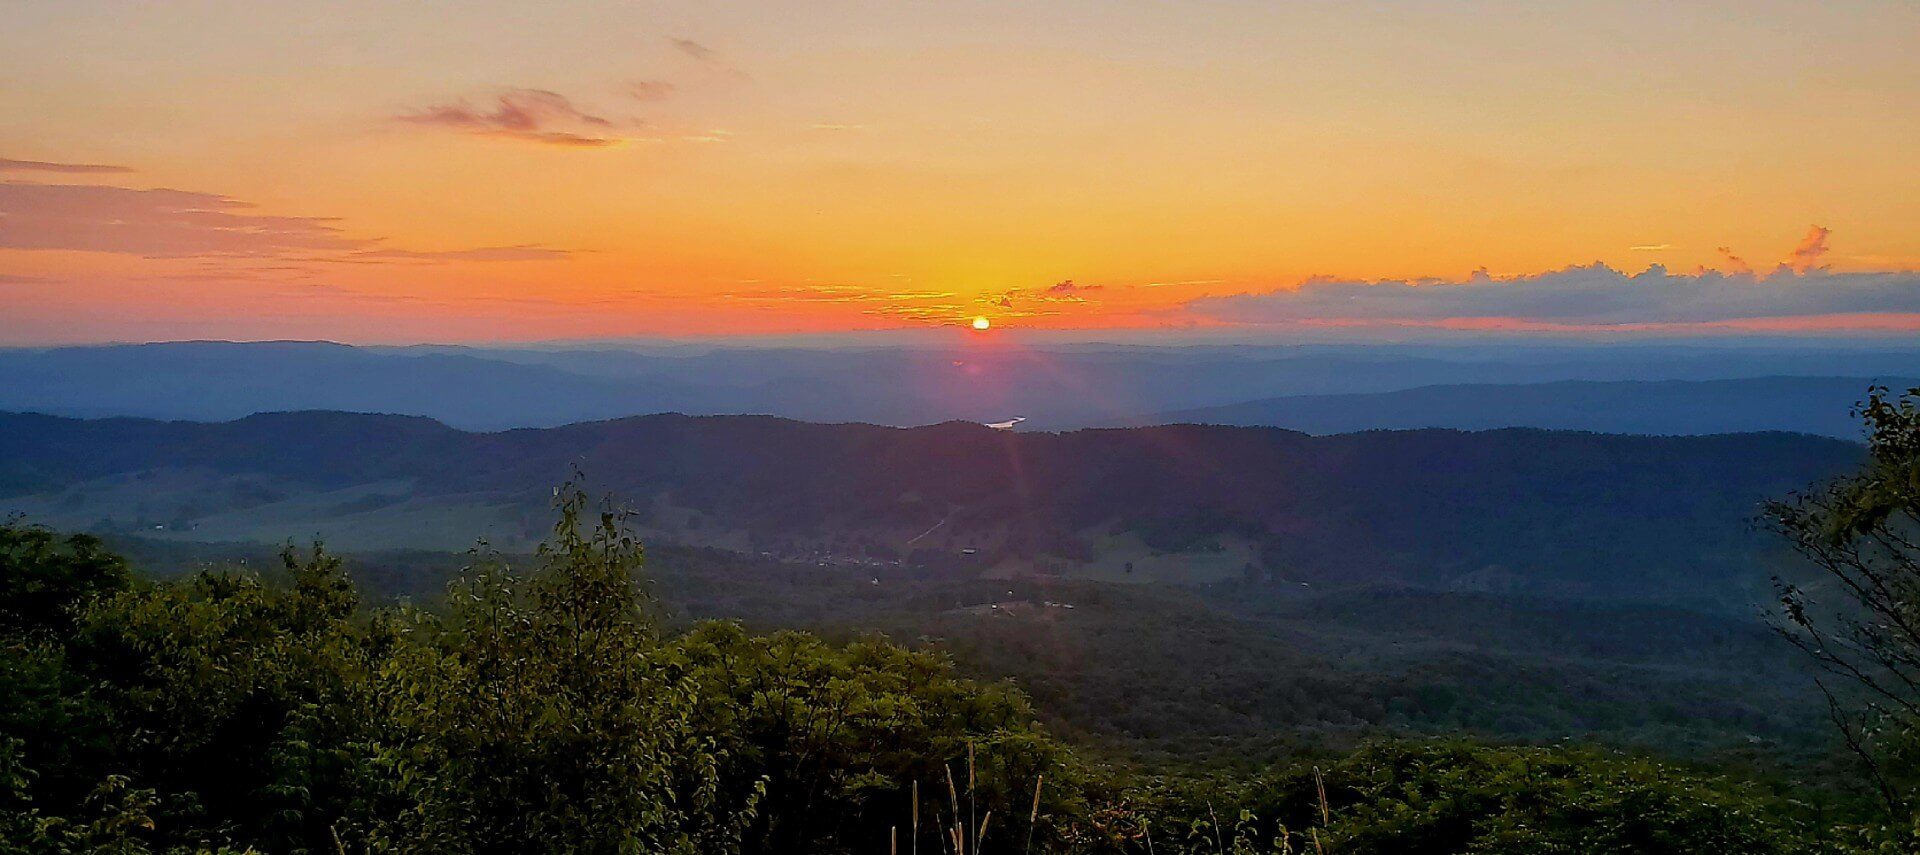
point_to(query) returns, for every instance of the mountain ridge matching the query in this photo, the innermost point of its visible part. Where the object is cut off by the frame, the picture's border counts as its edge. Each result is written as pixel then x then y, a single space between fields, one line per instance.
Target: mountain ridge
pixel 1566 513
pixel 983 381
pixel 1817 405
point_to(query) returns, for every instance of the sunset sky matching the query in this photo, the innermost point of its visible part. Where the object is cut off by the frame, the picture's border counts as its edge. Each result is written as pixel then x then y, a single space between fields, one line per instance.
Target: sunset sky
pixel 500 171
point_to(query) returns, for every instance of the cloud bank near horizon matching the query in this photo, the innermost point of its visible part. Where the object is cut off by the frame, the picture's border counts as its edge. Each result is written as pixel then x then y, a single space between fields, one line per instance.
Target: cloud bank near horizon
pixel 1588 296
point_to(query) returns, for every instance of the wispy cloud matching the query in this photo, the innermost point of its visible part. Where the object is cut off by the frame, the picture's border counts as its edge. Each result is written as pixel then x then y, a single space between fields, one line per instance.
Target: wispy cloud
pixel 1806 256
pixel 1651 247
pixel 694 49
pixel 528 115
pixel 1733 262
pixel 1033 301
pixel 154 222
pixel 920 306
pixel 10 165
pixel 835 294
pixel 1069 287
pixel 708 58
pixel 164 223
pixel 519 252
pixel 651 90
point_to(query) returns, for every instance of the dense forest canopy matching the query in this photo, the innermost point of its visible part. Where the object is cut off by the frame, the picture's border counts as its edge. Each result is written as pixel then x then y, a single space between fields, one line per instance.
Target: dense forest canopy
pixel 546 709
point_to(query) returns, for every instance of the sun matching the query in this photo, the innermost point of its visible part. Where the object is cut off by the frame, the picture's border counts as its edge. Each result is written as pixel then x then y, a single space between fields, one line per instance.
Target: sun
pixel 981 323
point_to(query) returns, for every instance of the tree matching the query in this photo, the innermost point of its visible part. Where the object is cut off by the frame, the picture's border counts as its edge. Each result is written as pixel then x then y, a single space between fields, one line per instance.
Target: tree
pixel 1861 621
pixel 45 577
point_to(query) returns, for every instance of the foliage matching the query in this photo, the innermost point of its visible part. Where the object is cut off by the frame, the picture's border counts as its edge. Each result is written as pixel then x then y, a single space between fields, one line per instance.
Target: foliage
pixel 1444 797
pixel 1239 673
pixel 1864 532
pixel 836 732
pixel 47 575
pixel 550 710
pixel 538 710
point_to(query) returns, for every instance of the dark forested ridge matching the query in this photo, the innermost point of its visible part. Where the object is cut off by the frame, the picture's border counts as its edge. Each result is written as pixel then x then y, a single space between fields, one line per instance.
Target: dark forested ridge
pixel 1573 514
pixel 1816 405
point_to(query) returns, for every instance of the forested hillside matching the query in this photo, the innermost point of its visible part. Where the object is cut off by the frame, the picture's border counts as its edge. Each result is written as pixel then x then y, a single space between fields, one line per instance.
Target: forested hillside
pixel 1660 519
pixel 548 709
pixel 1236 673
pixel 1816 405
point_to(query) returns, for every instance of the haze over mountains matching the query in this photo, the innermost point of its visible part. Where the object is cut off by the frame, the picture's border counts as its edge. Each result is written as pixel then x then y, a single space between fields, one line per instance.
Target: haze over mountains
pixel 1626 388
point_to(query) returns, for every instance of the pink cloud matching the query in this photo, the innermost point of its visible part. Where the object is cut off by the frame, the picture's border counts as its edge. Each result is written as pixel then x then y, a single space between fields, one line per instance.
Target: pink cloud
pixel 166 223
pixel 1806 256
pixel 157 222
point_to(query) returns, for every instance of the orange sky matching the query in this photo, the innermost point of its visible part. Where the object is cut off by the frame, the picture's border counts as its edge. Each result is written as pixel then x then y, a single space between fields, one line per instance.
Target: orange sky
pixel 512 171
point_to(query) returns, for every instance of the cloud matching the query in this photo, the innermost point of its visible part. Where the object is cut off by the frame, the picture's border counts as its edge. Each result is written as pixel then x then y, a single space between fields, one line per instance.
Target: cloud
pixel 569 140
pixel 835 294
pixel 1068 287
pixel 715 64
pixel 519 252
pixel 1036 302
pixel 1066 291
pixel 1738 264
pixel 912 305
pixel 1592 296
pixel 166 223
pixel 1651 247
pixel 9 165
pixel 530 115
pixel 651 90
pixel 695 49
pixel 1806 256
pixel 157 222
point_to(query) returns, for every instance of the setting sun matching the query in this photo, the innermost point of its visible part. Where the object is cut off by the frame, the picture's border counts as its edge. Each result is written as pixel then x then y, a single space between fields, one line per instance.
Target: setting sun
pixel 981 323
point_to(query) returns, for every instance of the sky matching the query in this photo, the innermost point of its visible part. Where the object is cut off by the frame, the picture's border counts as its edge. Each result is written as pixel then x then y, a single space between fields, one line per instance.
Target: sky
pixel 509 171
